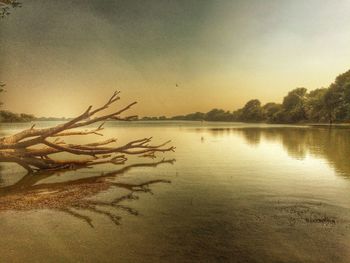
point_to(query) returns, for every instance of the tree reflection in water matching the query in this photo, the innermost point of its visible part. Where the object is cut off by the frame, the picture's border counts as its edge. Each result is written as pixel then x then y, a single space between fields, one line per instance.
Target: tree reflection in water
pixel 76 196
pixel 330 143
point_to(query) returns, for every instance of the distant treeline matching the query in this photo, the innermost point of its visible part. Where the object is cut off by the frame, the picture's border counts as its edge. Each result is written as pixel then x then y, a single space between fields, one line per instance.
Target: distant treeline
pixel 8 116
pixel 322 105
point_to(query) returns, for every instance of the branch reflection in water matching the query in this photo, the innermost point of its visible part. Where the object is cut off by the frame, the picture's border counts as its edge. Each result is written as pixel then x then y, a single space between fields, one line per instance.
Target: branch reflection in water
pixel 77 196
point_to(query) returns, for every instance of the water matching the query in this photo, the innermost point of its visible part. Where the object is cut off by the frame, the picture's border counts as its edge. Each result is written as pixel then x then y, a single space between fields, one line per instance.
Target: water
pixel 237 193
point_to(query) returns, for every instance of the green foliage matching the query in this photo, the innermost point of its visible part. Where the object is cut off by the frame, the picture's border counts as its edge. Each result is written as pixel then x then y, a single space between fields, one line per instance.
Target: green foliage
pixel 315 106
pixel 330 104
pixel 270 111
pixel 337 99
pixel 197 116
pixel 252 111
pixel 294 106
pixel 7 116
pixel 213 115
pixel 217 115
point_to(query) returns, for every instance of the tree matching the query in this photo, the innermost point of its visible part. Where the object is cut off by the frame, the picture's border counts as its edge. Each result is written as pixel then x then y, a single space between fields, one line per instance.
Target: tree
pixel 197 116
pixel 217 115
pixel 294 105
pixel 8 116
pixel 33 148
pixel 252 111
pixel 236 115
pixel 315 102
pixel 337 99
pixel 270 110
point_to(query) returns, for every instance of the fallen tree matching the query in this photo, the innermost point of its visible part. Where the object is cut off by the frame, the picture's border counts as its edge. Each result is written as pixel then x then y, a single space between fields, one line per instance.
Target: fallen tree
pixel 34 148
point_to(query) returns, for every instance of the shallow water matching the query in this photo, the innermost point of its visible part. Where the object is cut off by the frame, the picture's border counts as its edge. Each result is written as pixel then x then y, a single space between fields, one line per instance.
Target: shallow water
pixel 238 193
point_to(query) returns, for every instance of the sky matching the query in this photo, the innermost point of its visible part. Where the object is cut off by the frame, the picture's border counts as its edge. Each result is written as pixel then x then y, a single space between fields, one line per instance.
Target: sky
pixel 173 57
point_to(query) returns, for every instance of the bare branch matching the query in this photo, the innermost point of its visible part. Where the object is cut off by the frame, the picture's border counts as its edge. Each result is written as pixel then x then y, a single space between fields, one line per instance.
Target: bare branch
pixel 32 147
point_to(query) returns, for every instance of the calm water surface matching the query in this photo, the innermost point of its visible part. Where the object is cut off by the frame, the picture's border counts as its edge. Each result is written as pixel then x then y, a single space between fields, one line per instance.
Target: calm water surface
pixel 237 193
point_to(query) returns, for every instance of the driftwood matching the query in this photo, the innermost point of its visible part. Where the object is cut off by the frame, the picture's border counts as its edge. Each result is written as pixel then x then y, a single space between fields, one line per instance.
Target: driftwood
pixel 33 148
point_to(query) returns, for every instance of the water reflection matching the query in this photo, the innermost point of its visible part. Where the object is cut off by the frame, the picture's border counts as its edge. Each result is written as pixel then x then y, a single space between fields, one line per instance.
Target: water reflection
pixel 74 197
pixel 332 144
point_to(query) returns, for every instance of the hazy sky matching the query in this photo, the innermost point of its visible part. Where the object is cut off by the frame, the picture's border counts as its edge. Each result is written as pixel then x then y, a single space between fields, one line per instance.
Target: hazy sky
pixel 59 56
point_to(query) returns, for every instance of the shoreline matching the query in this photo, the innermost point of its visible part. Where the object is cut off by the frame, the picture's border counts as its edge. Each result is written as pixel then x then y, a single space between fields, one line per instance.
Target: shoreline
pixel 341 125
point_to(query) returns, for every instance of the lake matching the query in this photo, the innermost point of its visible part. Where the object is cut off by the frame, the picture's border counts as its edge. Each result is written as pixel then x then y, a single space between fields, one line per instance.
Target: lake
pixel 234 193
